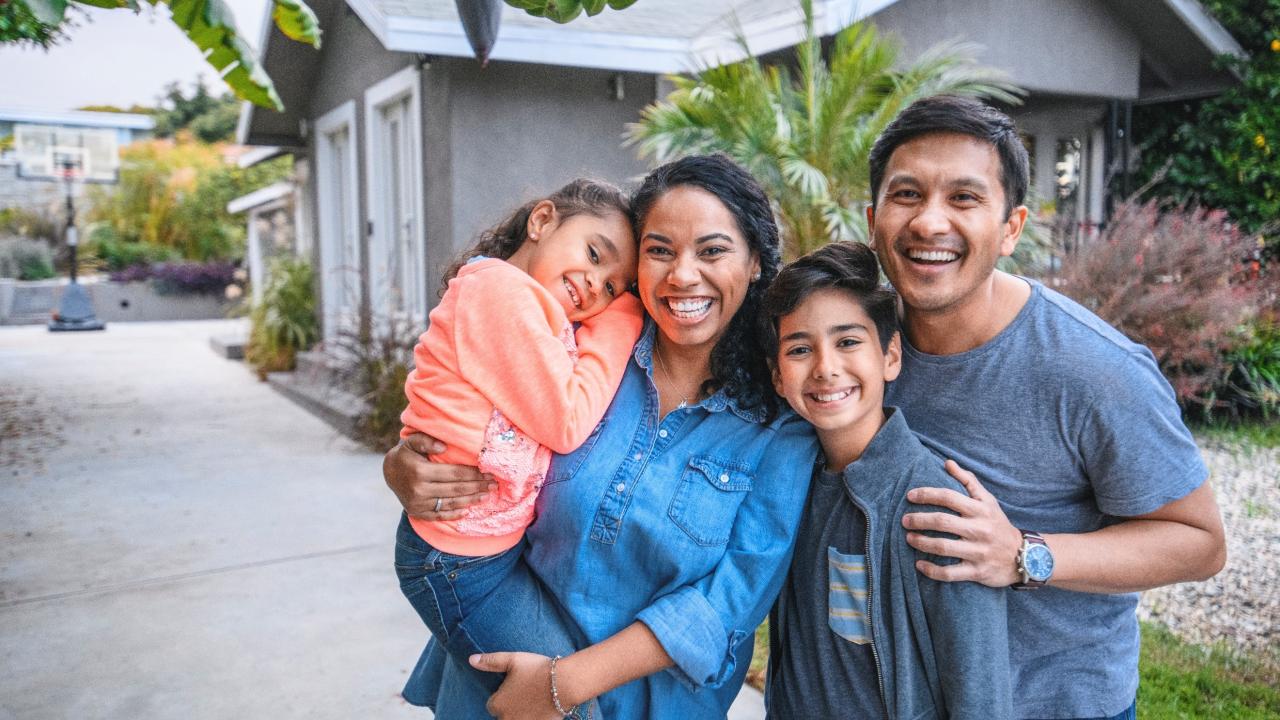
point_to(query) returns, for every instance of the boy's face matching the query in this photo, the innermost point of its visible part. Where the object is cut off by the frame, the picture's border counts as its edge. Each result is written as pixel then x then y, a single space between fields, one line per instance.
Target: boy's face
pixel 831 368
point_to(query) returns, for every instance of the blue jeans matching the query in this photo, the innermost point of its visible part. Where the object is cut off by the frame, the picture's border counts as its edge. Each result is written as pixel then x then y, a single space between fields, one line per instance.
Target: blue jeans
pixel 474 605
pixel 443 588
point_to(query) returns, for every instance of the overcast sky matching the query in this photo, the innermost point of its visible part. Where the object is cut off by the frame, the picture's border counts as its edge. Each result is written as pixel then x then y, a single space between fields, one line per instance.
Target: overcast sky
pixel 114 57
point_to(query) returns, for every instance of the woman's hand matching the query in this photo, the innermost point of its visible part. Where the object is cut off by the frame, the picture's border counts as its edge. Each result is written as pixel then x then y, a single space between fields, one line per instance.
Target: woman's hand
pixel 427 490
pixel 526 692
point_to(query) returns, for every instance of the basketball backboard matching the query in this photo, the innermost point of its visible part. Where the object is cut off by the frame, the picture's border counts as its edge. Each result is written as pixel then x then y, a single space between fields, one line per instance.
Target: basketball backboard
pixel 45 152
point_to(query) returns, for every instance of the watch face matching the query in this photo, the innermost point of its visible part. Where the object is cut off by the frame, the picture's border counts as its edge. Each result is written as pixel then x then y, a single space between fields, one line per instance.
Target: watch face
pixel 1039 562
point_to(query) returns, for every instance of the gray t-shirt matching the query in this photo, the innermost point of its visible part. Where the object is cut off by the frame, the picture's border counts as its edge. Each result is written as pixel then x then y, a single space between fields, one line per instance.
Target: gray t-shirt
pixel 1072 427
pixel 820 619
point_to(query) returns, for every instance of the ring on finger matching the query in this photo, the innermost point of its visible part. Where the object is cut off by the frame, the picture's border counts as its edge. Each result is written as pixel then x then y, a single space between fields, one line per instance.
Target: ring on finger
pixel 439 502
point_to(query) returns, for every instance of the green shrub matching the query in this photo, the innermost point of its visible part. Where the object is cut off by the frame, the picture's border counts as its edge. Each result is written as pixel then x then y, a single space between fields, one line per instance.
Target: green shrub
pixel 1224 151
pixel 116 252
pixel 25 259
pixel 1255 377
pixel 34 224
pixel 284 321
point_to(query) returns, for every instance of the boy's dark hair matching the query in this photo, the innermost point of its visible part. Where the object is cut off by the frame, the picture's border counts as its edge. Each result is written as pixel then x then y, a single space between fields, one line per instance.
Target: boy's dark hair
pixel 737 361
pixel 583 196
pixel 847 266
pixel 952 114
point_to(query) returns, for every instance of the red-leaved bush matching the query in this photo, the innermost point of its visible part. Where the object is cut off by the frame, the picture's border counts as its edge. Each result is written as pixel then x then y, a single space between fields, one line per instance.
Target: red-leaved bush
pixel 1173 279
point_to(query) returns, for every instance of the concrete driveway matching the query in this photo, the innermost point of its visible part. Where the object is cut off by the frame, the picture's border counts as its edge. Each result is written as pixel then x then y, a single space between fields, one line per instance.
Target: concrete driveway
pixel 177 540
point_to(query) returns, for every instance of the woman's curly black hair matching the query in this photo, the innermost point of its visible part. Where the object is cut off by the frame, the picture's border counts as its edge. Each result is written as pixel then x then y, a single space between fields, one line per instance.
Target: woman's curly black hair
pixel 738 363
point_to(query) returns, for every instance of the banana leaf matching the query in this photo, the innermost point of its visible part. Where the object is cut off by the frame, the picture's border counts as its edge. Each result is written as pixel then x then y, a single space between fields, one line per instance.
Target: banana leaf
pixel 562 11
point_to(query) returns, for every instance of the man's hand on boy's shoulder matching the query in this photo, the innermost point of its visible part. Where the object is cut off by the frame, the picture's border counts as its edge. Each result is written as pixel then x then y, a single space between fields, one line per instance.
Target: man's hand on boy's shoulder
pixel 985 543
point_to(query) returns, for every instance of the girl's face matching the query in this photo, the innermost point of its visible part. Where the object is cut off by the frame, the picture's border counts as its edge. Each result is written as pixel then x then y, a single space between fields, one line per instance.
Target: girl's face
pixel 584 261
pixel 695 266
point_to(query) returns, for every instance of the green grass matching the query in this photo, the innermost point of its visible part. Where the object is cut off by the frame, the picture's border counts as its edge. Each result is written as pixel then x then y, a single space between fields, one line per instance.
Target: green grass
pixel 1179 681
pixel 1254 433
pixel 1184 681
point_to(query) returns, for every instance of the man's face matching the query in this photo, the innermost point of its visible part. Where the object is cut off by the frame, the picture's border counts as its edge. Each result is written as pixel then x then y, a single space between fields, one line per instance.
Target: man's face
pixel 939 225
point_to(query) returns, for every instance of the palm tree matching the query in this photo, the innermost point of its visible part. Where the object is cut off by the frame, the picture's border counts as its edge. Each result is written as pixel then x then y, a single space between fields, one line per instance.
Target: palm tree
pixel 806 137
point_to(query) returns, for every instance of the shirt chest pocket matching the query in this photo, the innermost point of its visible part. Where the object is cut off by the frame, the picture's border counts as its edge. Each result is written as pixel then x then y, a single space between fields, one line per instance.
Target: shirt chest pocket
pixel 707 499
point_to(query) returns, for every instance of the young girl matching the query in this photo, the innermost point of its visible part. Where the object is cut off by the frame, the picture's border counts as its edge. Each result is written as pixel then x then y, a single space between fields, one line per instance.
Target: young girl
pixel 503 379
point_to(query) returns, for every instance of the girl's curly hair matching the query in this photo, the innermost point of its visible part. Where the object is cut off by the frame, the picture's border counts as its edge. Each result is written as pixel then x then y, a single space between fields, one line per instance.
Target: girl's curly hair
pixel 584 196
pixel 738 363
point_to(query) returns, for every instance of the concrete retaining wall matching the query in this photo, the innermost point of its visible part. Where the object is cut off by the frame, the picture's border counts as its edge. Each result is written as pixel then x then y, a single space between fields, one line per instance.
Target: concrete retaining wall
pixel 31 303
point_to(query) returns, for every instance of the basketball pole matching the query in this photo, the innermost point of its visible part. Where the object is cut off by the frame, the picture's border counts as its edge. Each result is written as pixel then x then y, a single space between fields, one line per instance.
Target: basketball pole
pixel 75 310
pixel 73 240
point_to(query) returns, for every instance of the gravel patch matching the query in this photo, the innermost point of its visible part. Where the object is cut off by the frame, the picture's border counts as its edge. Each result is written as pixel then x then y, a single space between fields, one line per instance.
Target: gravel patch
pixel 1240 607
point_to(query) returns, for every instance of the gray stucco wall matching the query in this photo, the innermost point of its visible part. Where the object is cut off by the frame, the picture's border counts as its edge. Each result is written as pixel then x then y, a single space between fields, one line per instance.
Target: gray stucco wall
pixel 1069 47
pixel 352 61
pixel 516 131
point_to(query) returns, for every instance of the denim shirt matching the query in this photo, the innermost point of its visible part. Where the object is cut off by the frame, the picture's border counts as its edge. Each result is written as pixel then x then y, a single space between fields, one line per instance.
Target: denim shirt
pixel 685 523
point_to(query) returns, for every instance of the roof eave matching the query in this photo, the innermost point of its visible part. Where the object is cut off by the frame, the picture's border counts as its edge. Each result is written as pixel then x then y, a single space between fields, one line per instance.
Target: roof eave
pixel 563 45
pixel 1210 31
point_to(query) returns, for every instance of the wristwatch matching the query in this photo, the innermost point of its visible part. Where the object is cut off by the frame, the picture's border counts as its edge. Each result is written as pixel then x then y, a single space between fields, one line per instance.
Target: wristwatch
pixel 1035 562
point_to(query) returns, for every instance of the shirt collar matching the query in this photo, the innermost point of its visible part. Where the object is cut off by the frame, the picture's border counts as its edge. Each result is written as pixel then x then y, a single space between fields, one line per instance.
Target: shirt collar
pixel 887 456
pixel 717 402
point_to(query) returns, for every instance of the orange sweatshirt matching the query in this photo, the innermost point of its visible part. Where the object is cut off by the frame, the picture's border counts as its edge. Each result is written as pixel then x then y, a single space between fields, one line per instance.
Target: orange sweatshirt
pixel 495 367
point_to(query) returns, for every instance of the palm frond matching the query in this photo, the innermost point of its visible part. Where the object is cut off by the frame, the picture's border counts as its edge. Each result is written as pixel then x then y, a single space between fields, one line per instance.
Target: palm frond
pixel 805 130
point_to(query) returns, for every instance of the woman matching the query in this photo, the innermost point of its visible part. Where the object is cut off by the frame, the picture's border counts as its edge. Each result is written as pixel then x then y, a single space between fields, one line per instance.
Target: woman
pixel 663 540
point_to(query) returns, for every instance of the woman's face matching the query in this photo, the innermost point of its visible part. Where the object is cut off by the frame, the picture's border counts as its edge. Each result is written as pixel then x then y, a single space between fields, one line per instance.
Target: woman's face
pixel 695 266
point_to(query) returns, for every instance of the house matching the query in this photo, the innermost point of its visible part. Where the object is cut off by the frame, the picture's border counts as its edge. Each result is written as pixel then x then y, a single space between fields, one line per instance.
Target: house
pixel 36 144
pixel 406 148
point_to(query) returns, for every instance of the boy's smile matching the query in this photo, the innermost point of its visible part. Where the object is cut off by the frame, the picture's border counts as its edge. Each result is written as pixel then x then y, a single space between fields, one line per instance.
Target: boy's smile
pixel 832 370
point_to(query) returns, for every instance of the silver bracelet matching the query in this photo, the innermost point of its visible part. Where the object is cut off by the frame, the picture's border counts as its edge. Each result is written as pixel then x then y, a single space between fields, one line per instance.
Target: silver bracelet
pixel 555 694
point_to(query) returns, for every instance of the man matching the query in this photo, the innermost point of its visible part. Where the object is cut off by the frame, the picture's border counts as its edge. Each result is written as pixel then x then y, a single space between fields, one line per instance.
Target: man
pixel 1102 492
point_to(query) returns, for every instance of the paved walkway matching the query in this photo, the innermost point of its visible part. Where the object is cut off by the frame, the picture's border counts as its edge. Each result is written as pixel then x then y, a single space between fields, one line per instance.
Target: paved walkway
pixel 177 540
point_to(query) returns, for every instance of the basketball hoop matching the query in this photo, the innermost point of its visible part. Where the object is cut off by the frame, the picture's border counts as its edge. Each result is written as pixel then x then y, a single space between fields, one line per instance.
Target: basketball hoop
pixel 44 152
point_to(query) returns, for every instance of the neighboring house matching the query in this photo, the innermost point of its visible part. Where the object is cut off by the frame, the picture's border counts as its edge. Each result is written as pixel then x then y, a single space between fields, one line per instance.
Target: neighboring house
pixel 36 144
pixel 406 148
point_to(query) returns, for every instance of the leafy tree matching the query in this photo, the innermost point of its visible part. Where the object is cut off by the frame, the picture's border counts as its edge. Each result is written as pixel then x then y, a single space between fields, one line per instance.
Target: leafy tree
pixel 208 23
pixel 210 118
pixel 174 194
pixel 1224 152
pixel 806 136
pixel 20 26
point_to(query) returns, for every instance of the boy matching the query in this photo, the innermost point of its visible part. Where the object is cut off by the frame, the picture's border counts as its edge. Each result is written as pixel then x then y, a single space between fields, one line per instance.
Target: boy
pixel 857 632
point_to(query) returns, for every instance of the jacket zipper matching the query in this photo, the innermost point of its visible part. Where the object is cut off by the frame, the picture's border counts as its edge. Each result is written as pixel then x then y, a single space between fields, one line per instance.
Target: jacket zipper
pixel 871 626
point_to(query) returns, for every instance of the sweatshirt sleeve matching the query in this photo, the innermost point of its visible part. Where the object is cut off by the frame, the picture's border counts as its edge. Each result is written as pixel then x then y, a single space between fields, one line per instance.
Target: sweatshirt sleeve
pixel 967 624
pixel 507 340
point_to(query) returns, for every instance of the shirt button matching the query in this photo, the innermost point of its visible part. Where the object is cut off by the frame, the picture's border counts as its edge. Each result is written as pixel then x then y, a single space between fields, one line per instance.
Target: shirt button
pixel 621 486
pixel 638 457
pixel 724 478
pixel 662 433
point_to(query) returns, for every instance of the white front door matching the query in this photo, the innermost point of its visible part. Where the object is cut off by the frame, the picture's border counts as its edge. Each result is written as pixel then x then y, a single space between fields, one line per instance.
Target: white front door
pixel 396 253
pixel 339 221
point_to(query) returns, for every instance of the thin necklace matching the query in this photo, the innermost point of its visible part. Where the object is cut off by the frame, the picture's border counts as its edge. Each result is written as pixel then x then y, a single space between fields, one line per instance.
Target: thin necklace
pixel 684 401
